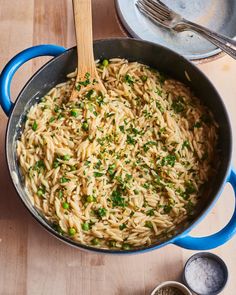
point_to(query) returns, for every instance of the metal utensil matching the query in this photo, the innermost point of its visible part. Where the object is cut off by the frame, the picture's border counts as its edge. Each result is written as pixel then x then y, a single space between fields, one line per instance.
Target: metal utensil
pixel 161 14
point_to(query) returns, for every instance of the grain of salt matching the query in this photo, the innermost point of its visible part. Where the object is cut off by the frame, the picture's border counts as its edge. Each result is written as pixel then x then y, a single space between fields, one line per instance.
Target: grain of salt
pixel 204 275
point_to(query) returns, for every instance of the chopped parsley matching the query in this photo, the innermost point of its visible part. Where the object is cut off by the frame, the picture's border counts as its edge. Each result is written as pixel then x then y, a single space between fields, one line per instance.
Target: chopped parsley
pixel 130 140
pixel 128 177
pixel 185 144
pixel 117 199
pixel 128 79
pixel 100 99
pixel 84 83
pixel 98 165
pixel 197 125
pixel 134 131
pixel 158 91
pixel 60 194
pixel 60 116
pixel 122 226
pixel 168 160
pixel 57 228
pixel 89 93
pixel 122 128
pixel 148 224
pixel 160 108
pixel 126 246
pixel 108 115
pixel 111 243
pixel 85 126
pixel 39 165
pixel 56 109
pixel 35 126
pixel 90 107
pixel 189 207
pixel 178 105
pixel 167 208
pixel 56 163
pixel 150 212
pixel 146 185
pixel 147 144
pixel 64 180
pixel 87 163
pixel 147 114
pixel 97 174
pixel 190 188
pixel 144 78
pixel 111 170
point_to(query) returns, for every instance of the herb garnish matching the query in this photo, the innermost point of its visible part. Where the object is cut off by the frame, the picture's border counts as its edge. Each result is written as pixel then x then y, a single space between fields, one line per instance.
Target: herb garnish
pixel 84 83
pixel 122 226
pixel 64 180
pixel 111 170
pixel 117 199
pixel 128 79
pixel 147 144
pixel 130 140
pixel 39 165
pixel 97 174
pixel 150 212
pixel 178 105
pixel 122 128
pixel 197 125
pixel 34 126
pixel 168 160
pixel 185 144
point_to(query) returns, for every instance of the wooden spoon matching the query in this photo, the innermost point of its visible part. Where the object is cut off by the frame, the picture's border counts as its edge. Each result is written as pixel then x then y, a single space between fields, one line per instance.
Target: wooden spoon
pixel 86 68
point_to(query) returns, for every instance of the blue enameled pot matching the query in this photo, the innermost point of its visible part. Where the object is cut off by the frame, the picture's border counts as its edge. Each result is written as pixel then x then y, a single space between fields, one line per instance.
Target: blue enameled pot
pixel 159 57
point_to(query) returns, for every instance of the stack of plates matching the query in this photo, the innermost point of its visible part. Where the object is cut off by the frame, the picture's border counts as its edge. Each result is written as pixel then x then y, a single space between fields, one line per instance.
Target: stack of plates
pixel 218 15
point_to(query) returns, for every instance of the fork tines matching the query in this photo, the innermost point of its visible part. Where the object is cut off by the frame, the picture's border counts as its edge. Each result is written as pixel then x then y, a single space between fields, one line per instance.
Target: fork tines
pixel 156 10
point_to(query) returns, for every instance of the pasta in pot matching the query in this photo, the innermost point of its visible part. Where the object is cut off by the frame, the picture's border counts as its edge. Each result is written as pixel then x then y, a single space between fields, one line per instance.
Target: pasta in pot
pixel 120 170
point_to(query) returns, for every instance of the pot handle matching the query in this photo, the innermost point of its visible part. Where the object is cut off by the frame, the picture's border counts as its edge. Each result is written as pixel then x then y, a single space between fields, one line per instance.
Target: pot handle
pixel 217 239
pixel 13 65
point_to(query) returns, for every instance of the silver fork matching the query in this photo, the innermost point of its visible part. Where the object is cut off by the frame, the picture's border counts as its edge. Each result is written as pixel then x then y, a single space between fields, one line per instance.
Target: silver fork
pixel 161 14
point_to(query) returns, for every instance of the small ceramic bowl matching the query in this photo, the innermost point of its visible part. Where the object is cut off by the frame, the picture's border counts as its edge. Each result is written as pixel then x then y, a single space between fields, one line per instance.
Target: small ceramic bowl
pixel 217 262
pixel 174 284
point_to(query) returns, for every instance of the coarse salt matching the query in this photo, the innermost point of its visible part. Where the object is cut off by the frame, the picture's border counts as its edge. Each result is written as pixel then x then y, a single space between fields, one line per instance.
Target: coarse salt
pixel 204 275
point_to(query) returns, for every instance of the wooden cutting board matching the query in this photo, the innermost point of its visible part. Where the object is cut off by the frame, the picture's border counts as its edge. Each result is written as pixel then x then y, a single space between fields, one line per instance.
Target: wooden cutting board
pixel 33 262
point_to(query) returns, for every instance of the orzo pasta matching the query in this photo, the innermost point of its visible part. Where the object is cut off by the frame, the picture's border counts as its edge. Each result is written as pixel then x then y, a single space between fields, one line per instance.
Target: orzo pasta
pixel 120 170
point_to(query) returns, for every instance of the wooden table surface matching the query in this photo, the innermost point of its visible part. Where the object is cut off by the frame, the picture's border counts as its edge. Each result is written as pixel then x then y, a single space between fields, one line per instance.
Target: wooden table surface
pixel 31 260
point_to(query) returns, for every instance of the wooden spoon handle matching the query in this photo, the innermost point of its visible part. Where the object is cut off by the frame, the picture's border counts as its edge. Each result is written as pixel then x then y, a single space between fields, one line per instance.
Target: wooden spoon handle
pixel 84 37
